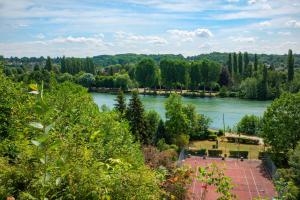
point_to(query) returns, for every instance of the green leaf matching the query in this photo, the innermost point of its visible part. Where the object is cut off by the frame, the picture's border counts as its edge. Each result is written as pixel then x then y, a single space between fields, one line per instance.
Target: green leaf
pixel 36 143
pixel 48 128
pixel 36 125
pixel 58 181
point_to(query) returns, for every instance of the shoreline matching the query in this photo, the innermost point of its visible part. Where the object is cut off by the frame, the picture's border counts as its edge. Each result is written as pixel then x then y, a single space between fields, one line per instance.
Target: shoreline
pixel 158 92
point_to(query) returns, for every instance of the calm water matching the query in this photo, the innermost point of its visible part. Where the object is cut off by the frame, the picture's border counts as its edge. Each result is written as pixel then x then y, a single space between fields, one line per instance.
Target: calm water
pixel 232 108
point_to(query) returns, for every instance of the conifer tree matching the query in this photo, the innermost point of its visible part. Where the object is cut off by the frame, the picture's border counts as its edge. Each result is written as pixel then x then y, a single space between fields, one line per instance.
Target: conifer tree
pixel 290 65
pixel 136 118
pixel 246 64
pixel 48 65
pixel 121 103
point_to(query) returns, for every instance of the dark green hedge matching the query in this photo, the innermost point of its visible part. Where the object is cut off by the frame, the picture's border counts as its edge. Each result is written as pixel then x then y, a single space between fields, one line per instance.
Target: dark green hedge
pixel 200 152
pixel 242 140
pixel 238 154
pixel 215 153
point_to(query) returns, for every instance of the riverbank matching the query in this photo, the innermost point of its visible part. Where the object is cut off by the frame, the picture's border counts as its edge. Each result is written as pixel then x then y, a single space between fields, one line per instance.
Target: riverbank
pixel 157 92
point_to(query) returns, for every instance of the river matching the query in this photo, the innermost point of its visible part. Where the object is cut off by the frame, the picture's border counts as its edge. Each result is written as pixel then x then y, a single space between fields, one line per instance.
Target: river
pixel 232 108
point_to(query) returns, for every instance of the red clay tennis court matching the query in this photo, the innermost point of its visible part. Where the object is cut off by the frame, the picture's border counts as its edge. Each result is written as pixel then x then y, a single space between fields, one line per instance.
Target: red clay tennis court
pixel 249 177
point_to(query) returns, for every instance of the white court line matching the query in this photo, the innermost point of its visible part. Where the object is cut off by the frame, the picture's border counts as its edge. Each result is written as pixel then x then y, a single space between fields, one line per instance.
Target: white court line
pixel 195 179
pixel 254 183
pixel 247 182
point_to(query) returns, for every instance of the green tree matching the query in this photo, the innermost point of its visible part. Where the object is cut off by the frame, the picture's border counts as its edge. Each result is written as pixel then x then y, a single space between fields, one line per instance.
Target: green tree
pixel 135 115
pixel 290 66
pixel 63 65
pixel 262 92
pixel 248 88
pixel 48 65
pixel 229 65
pixel 120 102
pixel 249 124
pixel 235 63
pixel 246 64
pixel 146 72
pixel 281 122
pixel 255 62
pixel 152 119
pixel 224 79
pixel 240 63
pixel 195 75
pixel 176 120
pixel 86 80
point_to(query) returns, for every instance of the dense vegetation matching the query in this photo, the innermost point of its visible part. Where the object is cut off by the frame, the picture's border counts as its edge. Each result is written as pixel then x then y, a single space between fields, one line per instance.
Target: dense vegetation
pixel 237 74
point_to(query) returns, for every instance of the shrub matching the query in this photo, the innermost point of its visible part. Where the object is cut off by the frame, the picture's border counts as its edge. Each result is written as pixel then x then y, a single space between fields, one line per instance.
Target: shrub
pixel 243 140
pixel 200 152
pixel 220 133
pixel 212 136
pixel 223 92
pixel 249 124
pixel 238 154
pixel 214 153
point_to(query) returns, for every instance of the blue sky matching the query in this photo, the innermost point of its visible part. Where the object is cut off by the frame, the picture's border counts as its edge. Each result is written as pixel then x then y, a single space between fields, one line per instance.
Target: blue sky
pixel 189 27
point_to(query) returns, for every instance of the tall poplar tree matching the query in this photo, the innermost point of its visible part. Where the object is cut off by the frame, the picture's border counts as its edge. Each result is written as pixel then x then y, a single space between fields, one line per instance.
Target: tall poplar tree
pixel 246 64
pixel 48 65
pixel 255 62
pixel 230 63
pixel 235 66
pixel 290 66
pixel 63 65
pixel 240 63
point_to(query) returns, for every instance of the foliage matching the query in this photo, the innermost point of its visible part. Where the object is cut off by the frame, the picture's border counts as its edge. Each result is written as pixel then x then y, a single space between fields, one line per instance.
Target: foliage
pixel 86 80
pixel 214 175
pixel 249 124
pixel 120 105
pixel 58 145
pixel 290 65
pixel 281 122
pixel 135 115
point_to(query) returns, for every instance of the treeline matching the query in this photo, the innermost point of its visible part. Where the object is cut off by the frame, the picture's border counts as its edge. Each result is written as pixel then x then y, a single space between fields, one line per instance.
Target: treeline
pixel 278 61
pixel 241 76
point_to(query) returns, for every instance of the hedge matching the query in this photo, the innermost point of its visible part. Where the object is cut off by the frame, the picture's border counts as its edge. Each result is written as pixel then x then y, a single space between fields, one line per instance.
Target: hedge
pixel 238 154
pixel 242 140
pixel 200 152
pixel 215 153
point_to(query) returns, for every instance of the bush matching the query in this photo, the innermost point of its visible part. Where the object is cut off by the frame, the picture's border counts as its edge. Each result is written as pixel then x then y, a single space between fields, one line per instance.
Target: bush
pixel 220 133
pixel 200 152
pixel 212 136
pixel 249 124
pixel 232 94
pixel 242 140
pixel 214 153
pixel 223 92
pixel 238 154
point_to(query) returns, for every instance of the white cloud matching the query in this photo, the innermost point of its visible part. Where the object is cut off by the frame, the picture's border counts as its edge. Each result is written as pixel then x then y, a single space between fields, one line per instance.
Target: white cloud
pixel 185 35
pixel 242 39
pixel 232 1
pixel 132 38
pixel 284 33
pixel 80 40
pixel 293 24
pixel 265 24
pixel 251 2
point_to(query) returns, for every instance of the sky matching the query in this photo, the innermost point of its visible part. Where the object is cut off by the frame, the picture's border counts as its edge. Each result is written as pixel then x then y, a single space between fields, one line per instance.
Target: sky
pixel 83 28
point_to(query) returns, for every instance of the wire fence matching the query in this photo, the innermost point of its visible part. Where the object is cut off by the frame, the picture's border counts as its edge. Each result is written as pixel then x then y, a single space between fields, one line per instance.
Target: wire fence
pixel 269 165
pixel 181 157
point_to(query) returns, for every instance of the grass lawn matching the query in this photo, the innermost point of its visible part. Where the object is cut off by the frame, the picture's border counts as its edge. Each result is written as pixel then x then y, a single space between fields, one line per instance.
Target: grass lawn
pixel 226 147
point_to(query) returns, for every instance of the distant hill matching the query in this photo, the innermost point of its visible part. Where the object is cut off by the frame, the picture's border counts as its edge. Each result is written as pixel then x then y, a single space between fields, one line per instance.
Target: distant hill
pixel 122 59
pixel 106 60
